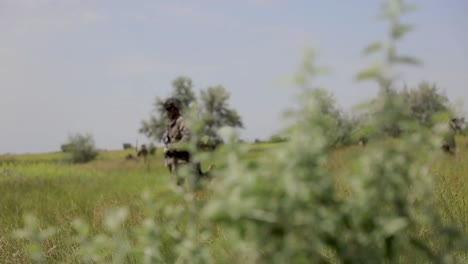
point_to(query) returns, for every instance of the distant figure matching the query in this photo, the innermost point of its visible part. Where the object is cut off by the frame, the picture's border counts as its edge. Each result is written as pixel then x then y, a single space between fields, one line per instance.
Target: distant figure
pixel 143 152
pixel 449 145
pixel 178 133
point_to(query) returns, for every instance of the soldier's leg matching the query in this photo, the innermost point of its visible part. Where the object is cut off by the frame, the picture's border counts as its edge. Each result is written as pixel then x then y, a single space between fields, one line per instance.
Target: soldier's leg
pixel 173 166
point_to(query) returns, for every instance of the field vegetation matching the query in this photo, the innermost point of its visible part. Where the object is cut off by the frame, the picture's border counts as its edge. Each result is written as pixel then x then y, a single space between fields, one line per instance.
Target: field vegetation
pixel 57 192
pixel 315 196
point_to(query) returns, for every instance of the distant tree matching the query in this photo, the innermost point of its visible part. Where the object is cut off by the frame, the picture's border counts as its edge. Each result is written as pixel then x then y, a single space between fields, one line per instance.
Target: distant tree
pixel 81 148
pixel 152 149
pixel 127 146
pixel 338 125
pixel 277 139
pixel 216 112
pixel 424 102
pixel 258 141
pixel 395 112
pixel 154 127
pixel 182 89
pixel 66 147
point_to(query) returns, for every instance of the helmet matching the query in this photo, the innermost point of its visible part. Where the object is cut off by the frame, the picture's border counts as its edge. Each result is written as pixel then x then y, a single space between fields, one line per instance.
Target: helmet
pixel 172 102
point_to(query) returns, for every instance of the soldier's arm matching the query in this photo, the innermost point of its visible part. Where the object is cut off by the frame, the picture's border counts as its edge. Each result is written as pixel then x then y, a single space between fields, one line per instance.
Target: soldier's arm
pixel 184 131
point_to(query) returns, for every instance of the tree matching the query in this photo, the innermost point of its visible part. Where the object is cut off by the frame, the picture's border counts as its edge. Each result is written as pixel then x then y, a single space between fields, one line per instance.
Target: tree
pixel 81 148
pixel 182 89
pixel 425 102
pixel 152 149
pixel 216 111
pixel 154 128
pixel 127 145
pixel 393 112
pixel 337 124
pixel 277 138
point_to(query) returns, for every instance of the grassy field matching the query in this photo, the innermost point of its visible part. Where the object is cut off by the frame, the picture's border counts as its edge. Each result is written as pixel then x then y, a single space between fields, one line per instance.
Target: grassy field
pixel 58 192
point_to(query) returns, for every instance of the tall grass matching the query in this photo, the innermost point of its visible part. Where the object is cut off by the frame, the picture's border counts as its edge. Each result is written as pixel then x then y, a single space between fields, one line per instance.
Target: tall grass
pixel 59 193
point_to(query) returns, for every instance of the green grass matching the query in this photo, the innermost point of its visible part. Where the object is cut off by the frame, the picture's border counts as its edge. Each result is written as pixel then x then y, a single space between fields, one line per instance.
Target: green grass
pixel 58 192
pixel 450 177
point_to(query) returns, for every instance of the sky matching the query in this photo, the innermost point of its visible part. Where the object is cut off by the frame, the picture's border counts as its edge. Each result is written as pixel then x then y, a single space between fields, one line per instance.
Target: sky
pixel 96 66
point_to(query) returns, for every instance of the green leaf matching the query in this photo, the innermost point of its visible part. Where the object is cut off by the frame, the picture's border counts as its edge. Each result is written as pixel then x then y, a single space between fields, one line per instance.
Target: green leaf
pixel 386 12
pixel 400 30
pixel 406 60
pixel 372 72
pixel 373 47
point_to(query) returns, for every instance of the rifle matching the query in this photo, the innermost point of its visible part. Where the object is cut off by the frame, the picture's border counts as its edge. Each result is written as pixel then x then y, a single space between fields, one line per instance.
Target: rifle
pixel 174 153
pixel 183 155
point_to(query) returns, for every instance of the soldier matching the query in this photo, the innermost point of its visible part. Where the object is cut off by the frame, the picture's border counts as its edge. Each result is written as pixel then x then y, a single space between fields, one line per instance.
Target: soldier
pixel 143 151
pixel 177 134
pixel 449 144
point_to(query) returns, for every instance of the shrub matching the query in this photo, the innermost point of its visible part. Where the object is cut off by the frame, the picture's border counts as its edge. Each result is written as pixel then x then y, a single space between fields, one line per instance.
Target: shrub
pixel 127 146
pixel 152 149
pixel 277 139
pixel 81 148
pixel 258 141
pixel 66 147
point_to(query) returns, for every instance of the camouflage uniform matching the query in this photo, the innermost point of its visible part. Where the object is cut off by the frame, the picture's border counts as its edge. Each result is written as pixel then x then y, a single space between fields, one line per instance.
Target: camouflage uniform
pixel 176 132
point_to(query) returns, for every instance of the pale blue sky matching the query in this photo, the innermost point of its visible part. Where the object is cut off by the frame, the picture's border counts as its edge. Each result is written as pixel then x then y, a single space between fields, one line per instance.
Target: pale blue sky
pixel 97 65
